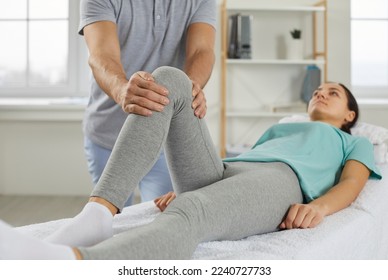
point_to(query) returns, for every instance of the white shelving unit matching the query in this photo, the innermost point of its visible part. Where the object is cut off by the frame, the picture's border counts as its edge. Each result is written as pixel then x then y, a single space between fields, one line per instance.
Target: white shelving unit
pixel 257 92
pixel 252 6
pixel 276 61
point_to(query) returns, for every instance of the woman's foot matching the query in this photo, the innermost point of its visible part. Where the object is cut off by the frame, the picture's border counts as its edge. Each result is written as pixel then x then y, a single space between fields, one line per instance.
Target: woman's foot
pixel 93 225
pixel 16 246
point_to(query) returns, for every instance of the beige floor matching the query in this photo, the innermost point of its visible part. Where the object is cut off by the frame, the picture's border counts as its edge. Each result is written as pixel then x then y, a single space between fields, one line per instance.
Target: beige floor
pixel 25 210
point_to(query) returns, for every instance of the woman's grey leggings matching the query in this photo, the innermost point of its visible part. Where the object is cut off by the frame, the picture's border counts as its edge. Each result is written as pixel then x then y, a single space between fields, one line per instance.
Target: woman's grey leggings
pixel 215 201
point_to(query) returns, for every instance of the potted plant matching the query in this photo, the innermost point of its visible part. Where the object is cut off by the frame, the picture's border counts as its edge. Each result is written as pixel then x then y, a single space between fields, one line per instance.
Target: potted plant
pixel 295 48
pixel 296 33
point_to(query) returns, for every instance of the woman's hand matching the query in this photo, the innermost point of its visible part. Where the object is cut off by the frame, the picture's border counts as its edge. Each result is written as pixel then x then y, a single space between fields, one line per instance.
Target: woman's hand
pixel 353 179
pixel 163 201
pixel 302 216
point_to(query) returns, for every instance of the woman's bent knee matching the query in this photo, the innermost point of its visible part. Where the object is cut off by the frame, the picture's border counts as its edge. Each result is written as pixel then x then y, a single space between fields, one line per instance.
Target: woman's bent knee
pixel 175 80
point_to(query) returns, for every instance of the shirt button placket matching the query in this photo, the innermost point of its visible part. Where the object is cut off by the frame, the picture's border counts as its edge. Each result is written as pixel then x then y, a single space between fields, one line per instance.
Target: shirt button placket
pixel 158 14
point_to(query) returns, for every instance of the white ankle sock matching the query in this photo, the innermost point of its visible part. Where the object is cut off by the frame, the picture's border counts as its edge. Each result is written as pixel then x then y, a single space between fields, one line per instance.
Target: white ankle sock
pixel 14 245
pixel 91 226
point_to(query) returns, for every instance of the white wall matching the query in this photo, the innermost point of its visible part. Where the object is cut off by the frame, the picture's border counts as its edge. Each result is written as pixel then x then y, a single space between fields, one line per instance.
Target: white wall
pixel 39 155
pixel 41 152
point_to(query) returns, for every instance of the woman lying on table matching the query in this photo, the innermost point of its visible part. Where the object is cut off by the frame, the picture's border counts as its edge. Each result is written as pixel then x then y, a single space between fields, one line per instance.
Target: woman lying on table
pixel 294 176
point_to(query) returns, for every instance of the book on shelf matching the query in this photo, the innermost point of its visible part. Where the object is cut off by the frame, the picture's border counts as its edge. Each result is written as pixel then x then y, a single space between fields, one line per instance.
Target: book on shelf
pixel 240 36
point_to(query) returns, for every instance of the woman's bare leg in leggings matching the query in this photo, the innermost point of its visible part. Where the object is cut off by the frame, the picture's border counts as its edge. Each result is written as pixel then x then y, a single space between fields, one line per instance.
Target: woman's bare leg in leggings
pixel 252 199
pixel 193 160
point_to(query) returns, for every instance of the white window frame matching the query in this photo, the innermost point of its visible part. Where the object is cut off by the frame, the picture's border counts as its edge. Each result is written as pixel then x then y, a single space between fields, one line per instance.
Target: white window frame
pixel 369 92
pixel 77 67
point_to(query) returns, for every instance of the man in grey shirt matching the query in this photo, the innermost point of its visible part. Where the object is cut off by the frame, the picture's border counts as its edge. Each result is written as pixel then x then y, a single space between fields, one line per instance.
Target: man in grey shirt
pixel 128 39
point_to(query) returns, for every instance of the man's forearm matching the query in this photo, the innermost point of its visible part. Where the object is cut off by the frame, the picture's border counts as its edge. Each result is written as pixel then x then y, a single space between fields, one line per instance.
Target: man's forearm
pixel 199 66
pixel 109 75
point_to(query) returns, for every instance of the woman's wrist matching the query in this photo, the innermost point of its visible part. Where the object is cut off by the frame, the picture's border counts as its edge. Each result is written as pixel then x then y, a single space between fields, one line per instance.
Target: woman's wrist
pixel 321 207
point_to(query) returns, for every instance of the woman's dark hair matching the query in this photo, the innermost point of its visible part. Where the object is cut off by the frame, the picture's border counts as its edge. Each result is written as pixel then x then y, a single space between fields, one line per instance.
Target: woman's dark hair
pixel 352 106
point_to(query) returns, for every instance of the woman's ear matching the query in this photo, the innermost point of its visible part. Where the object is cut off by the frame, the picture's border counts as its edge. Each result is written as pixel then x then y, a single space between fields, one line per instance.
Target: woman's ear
pixel 350 116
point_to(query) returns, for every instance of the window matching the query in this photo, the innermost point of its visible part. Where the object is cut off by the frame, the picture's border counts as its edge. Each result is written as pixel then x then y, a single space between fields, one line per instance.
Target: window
pixel 369 48
pixel 42 54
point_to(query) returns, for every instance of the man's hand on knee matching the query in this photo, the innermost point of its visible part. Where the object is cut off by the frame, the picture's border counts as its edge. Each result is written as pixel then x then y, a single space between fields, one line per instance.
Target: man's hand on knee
pixel 199 102
pixel 142 95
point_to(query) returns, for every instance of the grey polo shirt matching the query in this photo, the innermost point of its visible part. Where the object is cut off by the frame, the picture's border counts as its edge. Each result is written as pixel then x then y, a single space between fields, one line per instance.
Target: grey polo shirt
pixel 152 33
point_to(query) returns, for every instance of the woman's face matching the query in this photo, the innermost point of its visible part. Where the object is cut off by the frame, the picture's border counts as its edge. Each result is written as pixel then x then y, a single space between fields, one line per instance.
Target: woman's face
pixel 329 104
